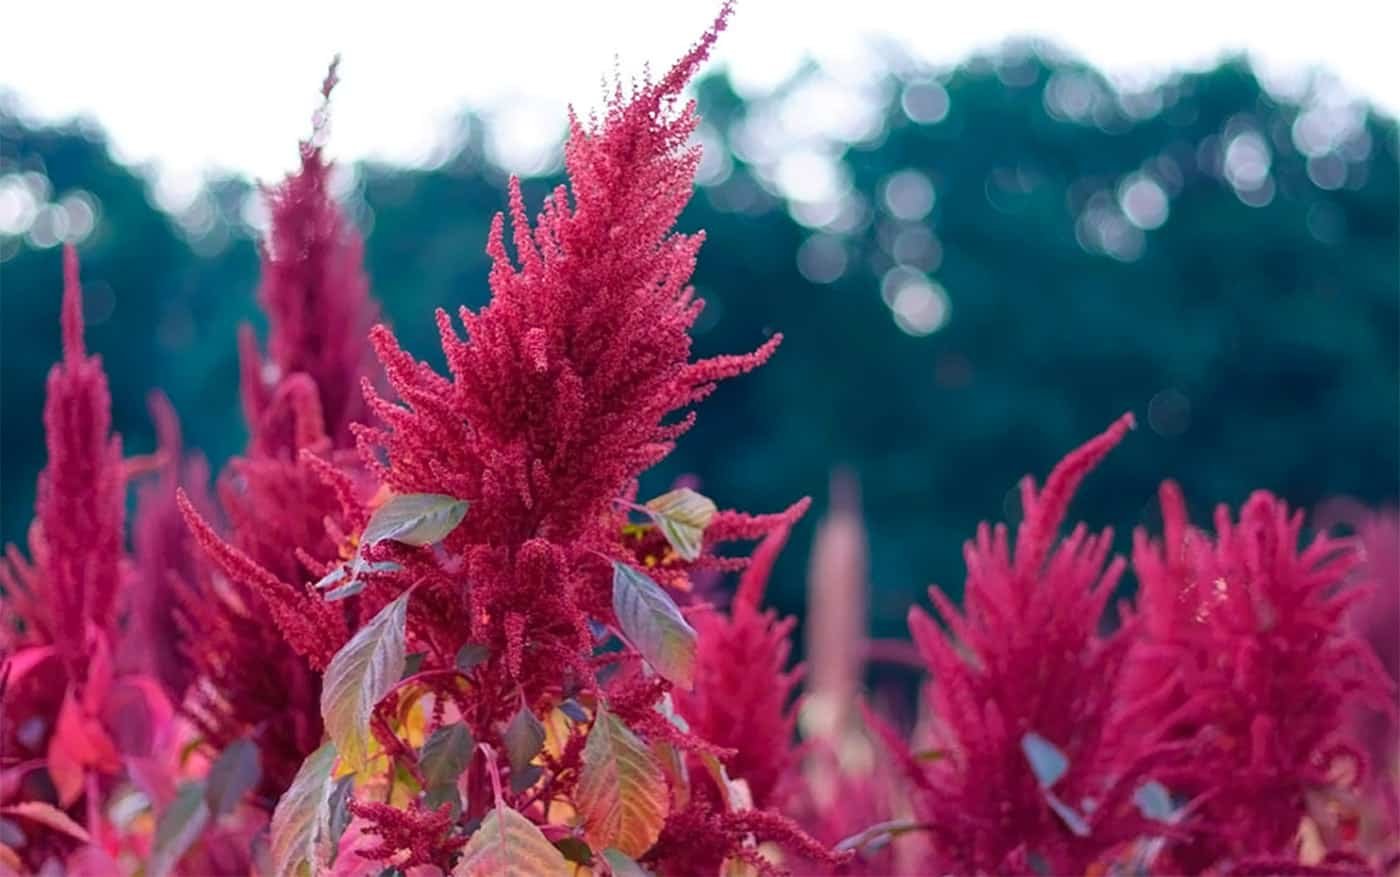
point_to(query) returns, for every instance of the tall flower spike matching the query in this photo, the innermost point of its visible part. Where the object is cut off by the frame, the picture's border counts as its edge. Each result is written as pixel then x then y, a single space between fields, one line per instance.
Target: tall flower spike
pixel 1025 657
pixel 315 294
pixel 743 695
pixel 167 561
pixel 1247 658
pixel 559 397
pixel 80 504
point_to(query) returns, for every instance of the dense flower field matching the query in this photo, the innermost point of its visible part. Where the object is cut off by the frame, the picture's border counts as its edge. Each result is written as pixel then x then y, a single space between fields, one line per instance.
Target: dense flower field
pixel 425 624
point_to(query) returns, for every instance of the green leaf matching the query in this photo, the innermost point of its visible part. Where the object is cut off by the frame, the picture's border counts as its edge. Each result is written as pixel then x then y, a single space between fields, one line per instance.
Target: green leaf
pixel 414 519
pixel 435 796
pixel 471 654
pixel 1068 815
pixel 236 771
pixel 621 793
pixel 653 623
pixel 509 845
pixel 623 865
pixel 878 835
pixel 574 710
pixel 575 850
pixel 359 675
pixel 445 754
pixel 338 814
pixel 1048 763
pixel 524 738
pixel 178 828
pixel 303 812
pixel 1155 802
pixel 682 516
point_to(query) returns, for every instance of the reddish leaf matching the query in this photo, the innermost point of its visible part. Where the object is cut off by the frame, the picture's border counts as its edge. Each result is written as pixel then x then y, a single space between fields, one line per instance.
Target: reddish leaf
pixel 48 814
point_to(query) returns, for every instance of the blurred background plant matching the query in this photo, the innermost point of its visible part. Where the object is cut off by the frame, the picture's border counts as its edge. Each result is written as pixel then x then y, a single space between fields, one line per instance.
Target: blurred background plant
pixel 974 267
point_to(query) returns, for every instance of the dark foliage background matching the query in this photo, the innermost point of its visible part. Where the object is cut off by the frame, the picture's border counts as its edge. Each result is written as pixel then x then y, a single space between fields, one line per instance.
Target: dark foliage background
pixel 1254 331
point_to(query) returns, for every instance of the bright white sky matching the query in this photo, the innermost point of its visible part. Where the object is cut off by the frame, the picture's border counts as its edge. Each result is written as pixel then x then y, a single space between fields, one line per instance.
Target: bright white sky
pixel 191 86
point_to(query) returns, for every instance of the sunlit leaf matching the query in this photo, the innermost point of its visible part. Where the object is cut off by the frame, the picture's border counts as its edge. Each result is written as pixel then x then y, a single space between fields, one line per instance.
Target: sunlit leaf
pixel 524 738
pixel 653 623
pixel 47 814
pixel 446 754
pixel 236 771
pixel 415 519
pixel 621 793
pixel 1047 762
pixel 178 828
pixel 509 845
pixel 623 865
pixel 682 516
pixel 359 675
pixel 302 813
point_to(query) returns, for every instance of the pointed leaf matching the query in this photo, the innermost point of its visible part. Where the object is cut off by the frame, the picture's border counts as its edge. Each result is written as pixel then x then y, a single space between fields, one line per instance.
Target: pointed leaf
pixel 345 591
pixel 682 516
pixel 336 575
pixel 1155 802
pixel 445 754
pixel 574 710
pixel 623 865
pixel 231 776
pixel 1068 815
pixel 179 827
pixel 48 814
pixel 1048 763
pixel 878 835
pixel 509 845
pixel 302 813
pixel 575 850
pixel 524 738
pixel 471 654
pixel 338 814
pixel 653 623
pixel 359 675
pixel 415 519
pixel 621 793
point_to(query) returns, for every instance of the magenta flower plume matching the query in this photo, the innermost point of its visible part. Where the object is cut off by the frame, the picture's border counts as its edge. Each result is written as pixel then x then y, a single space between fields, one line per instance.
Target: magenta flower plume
pixel 260 641
pixel 744 692
pixel 166 558
pixel 558 398
pixel 1025 657
pixel 315 295
pixel 1247 656
pixel 77 542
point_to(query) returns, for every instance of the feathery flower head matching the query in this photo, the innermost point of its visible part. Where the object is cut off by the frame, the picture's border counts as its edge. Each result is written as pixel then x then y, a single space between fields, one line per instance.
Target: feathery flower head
pixel 77 542
pixel 1247 657
pixel 1024 662
pixel 316 297
pixel 558 397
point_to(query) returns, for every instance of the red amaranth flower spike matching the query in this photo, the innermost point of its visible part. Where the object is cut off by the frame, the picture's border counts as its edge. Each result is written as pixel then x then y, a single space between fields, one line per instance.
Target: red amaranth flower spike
pixel 80 505
pixel 166 559
pixel 1025 657
pixel 561 394
pixel 316 297
pixel 1247 658
pixel 744 694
